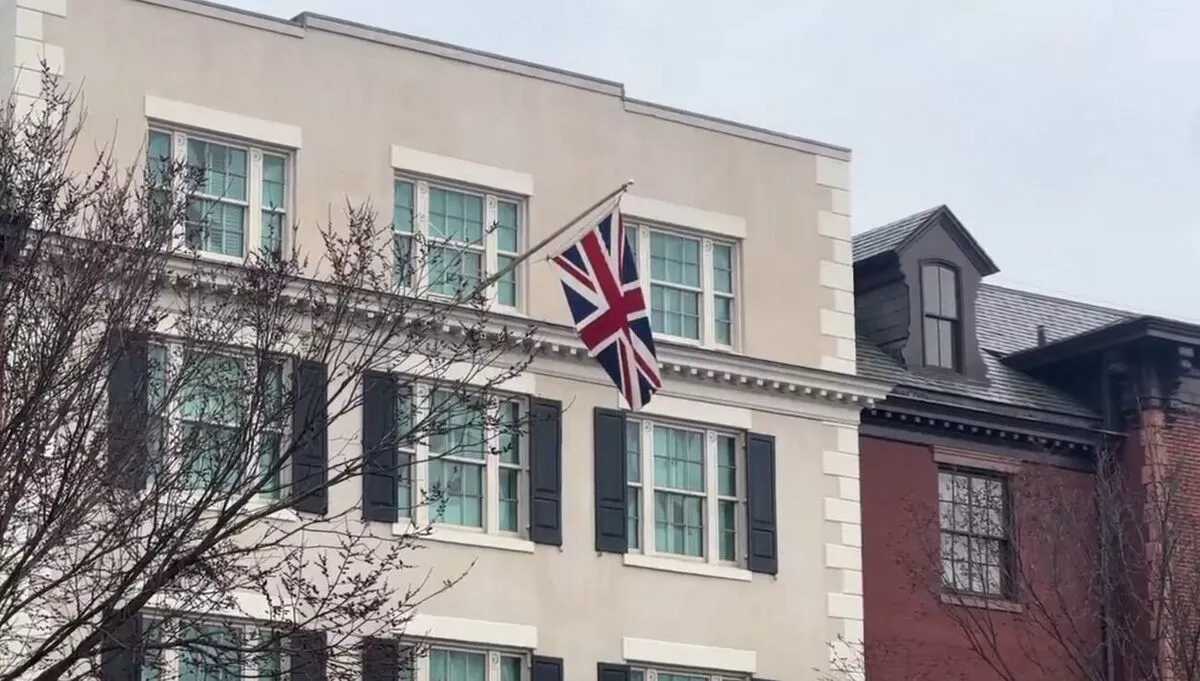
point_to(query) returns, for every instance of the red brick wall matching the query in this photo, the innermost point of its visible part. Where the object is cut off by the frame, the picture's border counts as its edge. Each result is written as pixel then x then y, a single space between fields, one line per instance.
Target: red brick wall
pixel 912 635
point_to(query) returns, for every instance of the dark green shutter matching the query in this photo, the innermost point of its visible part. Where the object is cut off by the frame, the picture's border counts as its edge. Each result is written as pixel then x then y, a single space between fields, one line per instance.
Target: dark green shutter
pixel 380 486
pixel 128 411
pixel 380 659
pixel 610 481
pixel 612 672
pixel 762 542
pixel 310 458
pixel 546 668
pixel 307 656
pixel 121 650
pixel 545 472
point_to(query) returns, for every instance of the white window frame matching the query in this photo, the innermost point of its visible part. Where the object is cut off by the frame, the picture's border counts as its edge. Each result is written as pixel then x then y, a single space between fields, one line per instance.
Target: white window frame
pixel 640 672
pixel 710 436
pixel 421 514
pixel 707 290
pixel 171 658
pixel 493 655
pixel 252 236
pixel 491 213
pixel 174 351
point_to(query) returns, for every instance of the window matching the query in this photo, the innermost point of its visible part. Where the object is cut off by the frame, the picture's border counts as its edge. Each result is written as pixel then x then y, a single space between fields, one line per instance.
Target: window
pixel 210 651
pixel 467 234
pixel 939 307
pixel 474 465
pixel 644 674
pixel 464 664
pixel 685 491
pixel 199 409
pixel 691 284
pixel 242 200
pixel 973 510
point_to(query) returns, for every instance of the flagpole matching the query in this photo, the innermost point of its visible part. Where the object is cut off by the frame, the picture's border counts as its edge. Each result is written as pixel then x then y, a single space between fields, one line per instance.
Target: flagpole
pixel 546 241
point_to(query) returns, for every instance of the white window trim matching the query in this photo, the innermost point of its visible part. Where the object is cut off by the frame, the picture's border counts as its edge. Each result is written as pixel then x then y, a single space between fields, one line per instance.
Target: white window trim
pixel 709 565
pixel 491 211
pixel 689 656
pixel 490 535
pixel 708 293
pixel 480 636
pixel 720 225
pixel 223 122
pixel 505 180
pixel 174 349
pixel 252 234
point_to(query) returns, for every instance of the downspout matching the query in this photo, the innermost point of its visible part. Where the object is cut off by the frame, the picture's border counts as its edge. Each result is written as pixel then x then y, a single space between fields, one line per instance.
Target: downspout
pixel 1105 460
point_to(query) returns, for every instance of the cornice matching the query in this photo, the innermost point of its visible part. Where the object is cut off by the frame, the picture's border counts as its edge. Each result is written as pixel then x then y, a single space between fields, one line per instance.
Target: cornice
pixel 556 341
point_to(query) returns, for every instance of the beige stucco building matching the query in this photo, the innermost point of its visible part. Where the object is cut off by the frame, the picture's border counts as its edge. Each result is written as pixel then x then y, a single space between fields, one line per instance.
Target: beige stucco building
pixel 759 309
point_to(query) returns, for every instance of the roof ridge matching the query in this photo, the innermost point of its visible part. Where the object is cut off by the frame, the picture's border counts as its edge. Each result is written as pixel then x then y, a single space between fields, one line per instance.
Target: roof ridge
pixel 1062 299
pixel 907 218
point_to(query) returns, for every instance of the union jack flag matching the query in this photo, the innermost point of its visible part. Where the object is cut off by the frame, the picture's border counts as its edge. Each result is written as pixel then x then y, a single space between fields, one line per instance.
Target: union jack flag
pixel 599 275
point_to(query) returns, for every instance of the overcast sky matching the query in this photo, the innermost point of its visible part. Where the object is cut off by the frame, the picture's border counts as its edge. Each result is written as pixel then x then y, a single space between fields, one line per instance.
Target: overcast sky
pixel 1065 134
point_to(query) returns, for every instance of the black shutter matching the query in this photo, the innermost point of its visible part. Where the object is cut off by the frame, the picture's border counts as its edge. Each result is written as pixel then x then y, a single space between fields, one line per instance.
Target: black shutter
pixel 546 668
pixel 128 412
pixel 380 463
pixel 310 457
pixel 121 651
pixel 761 550
pixel 609 477
pixel 380 659
pixel 545 472
pixel 612 672
pixel 307 655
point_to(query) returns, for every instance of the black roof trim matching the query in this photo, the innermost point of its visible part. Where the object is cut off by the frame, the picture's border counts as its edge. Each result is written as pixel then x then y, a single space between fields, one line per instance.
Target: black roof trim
pixel 1119 333
pixel 896 236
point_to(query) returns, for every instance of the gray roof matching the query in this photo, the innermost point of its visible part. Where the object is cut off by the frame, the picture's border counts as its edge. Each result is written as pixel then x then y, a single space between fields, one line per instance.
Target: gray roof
pixel 1007 322
pixel 890 236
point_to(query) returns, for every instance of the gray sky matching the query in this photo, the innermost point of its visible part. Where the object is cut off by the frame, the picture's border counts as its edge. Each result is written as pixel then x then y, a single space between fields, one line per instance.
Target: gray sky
pixel 1065 134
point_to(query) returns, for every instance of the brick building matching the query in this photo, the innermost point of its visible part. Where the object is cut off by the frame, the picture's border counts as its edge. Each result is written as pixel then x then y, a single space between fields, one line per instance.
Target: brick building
pixel 983 554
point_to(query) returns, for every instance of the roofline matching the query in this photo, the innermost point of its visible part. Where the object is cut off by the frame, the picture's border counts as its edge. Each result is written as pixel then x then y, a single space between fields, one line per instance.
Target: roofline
pixel 305 21
pixel 985 263
pixel 1144 327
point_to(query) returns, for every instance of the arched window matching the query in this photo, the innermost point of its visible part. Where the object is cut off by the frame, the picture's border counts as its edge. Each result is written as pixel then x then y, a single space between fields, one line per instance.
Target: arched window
pixel 940 312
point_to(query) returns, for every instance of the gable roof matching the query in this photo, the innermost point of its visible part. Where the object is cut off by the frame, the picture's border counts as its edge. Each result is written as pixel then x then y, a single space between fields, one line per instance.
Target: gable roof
pixel 894 237
pixel 1007 323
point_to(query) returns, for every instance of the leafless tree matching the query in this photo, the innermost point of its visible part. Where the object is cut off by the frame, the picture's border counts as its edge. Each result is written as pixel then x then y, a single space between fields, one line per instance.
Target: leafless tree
pixel 171 428
pixel 1102 576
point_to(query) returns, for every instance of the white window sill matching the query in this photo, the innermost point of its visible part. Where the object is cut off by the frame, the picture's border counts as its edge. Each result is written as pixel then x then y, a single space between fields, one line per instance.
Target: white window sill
pixel 467 538
pixel 687 567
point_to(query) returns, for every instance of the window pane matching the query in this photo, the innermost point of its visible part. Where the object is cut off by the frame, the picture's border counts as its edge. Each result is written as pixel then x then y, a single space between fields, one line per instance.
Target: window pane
pixel 678 524
pixel 723 320
pixel 510 668
pixel 456 665
pixel 678 459
pixel 947 350
pixel 728 530
pixel 974 534
pixel 272 232
pixel 722 268
pixel 633 517
pixel 506 227
pixel 509 504
pixel 675 312
pixel 224 169
pixel 930 295
pixel 402 207
pixel 506 285
pixel 633 451
pixel 158 155
pixel 454 270
pixel 461 427
pixel 457 492
pixel 273 181
pixel 404 483
pixel 510 432
pixel 726 466
pixel 402 255
pixel 949 292
pixel 674 259
pixel 932 347
pixel 455 216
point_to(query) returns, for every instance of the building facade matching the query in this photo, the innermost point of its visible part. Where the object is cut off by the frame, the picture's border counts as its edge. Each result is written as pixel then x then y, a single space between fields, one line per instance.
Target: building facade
pixel 1026 477
pixel 764 578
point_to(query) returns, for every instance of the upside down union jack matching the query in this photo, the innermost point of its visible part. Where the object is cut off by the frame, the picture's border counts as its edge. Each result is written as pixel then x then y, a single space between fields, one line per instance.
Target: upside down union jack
pixel 599 275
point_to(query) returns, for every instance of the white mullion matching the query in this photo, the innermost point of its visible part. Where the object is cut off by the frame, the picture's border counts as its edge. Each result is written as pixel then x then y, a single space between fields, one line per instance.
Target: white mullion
pixel 173 418
pixel 254 176
pixel 178 156
pixel 708 332
pixel 646 461
pixel 491 473
pixel 490 261
pixel 420 277
pixel 643 253
pixel 711 514
pixel 420 465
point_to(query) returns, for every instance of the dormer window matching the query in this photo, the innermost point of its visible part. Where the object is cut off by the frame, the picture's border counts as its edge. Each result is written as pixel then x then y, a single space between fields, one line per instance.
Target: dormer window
pixel 940 312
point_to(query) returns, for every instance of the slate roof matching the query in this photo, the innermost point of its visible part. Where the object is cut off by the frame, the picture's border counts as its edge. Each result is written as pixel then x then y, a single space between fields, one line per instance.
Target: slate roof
pixel 890 236
pixel 1007 322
